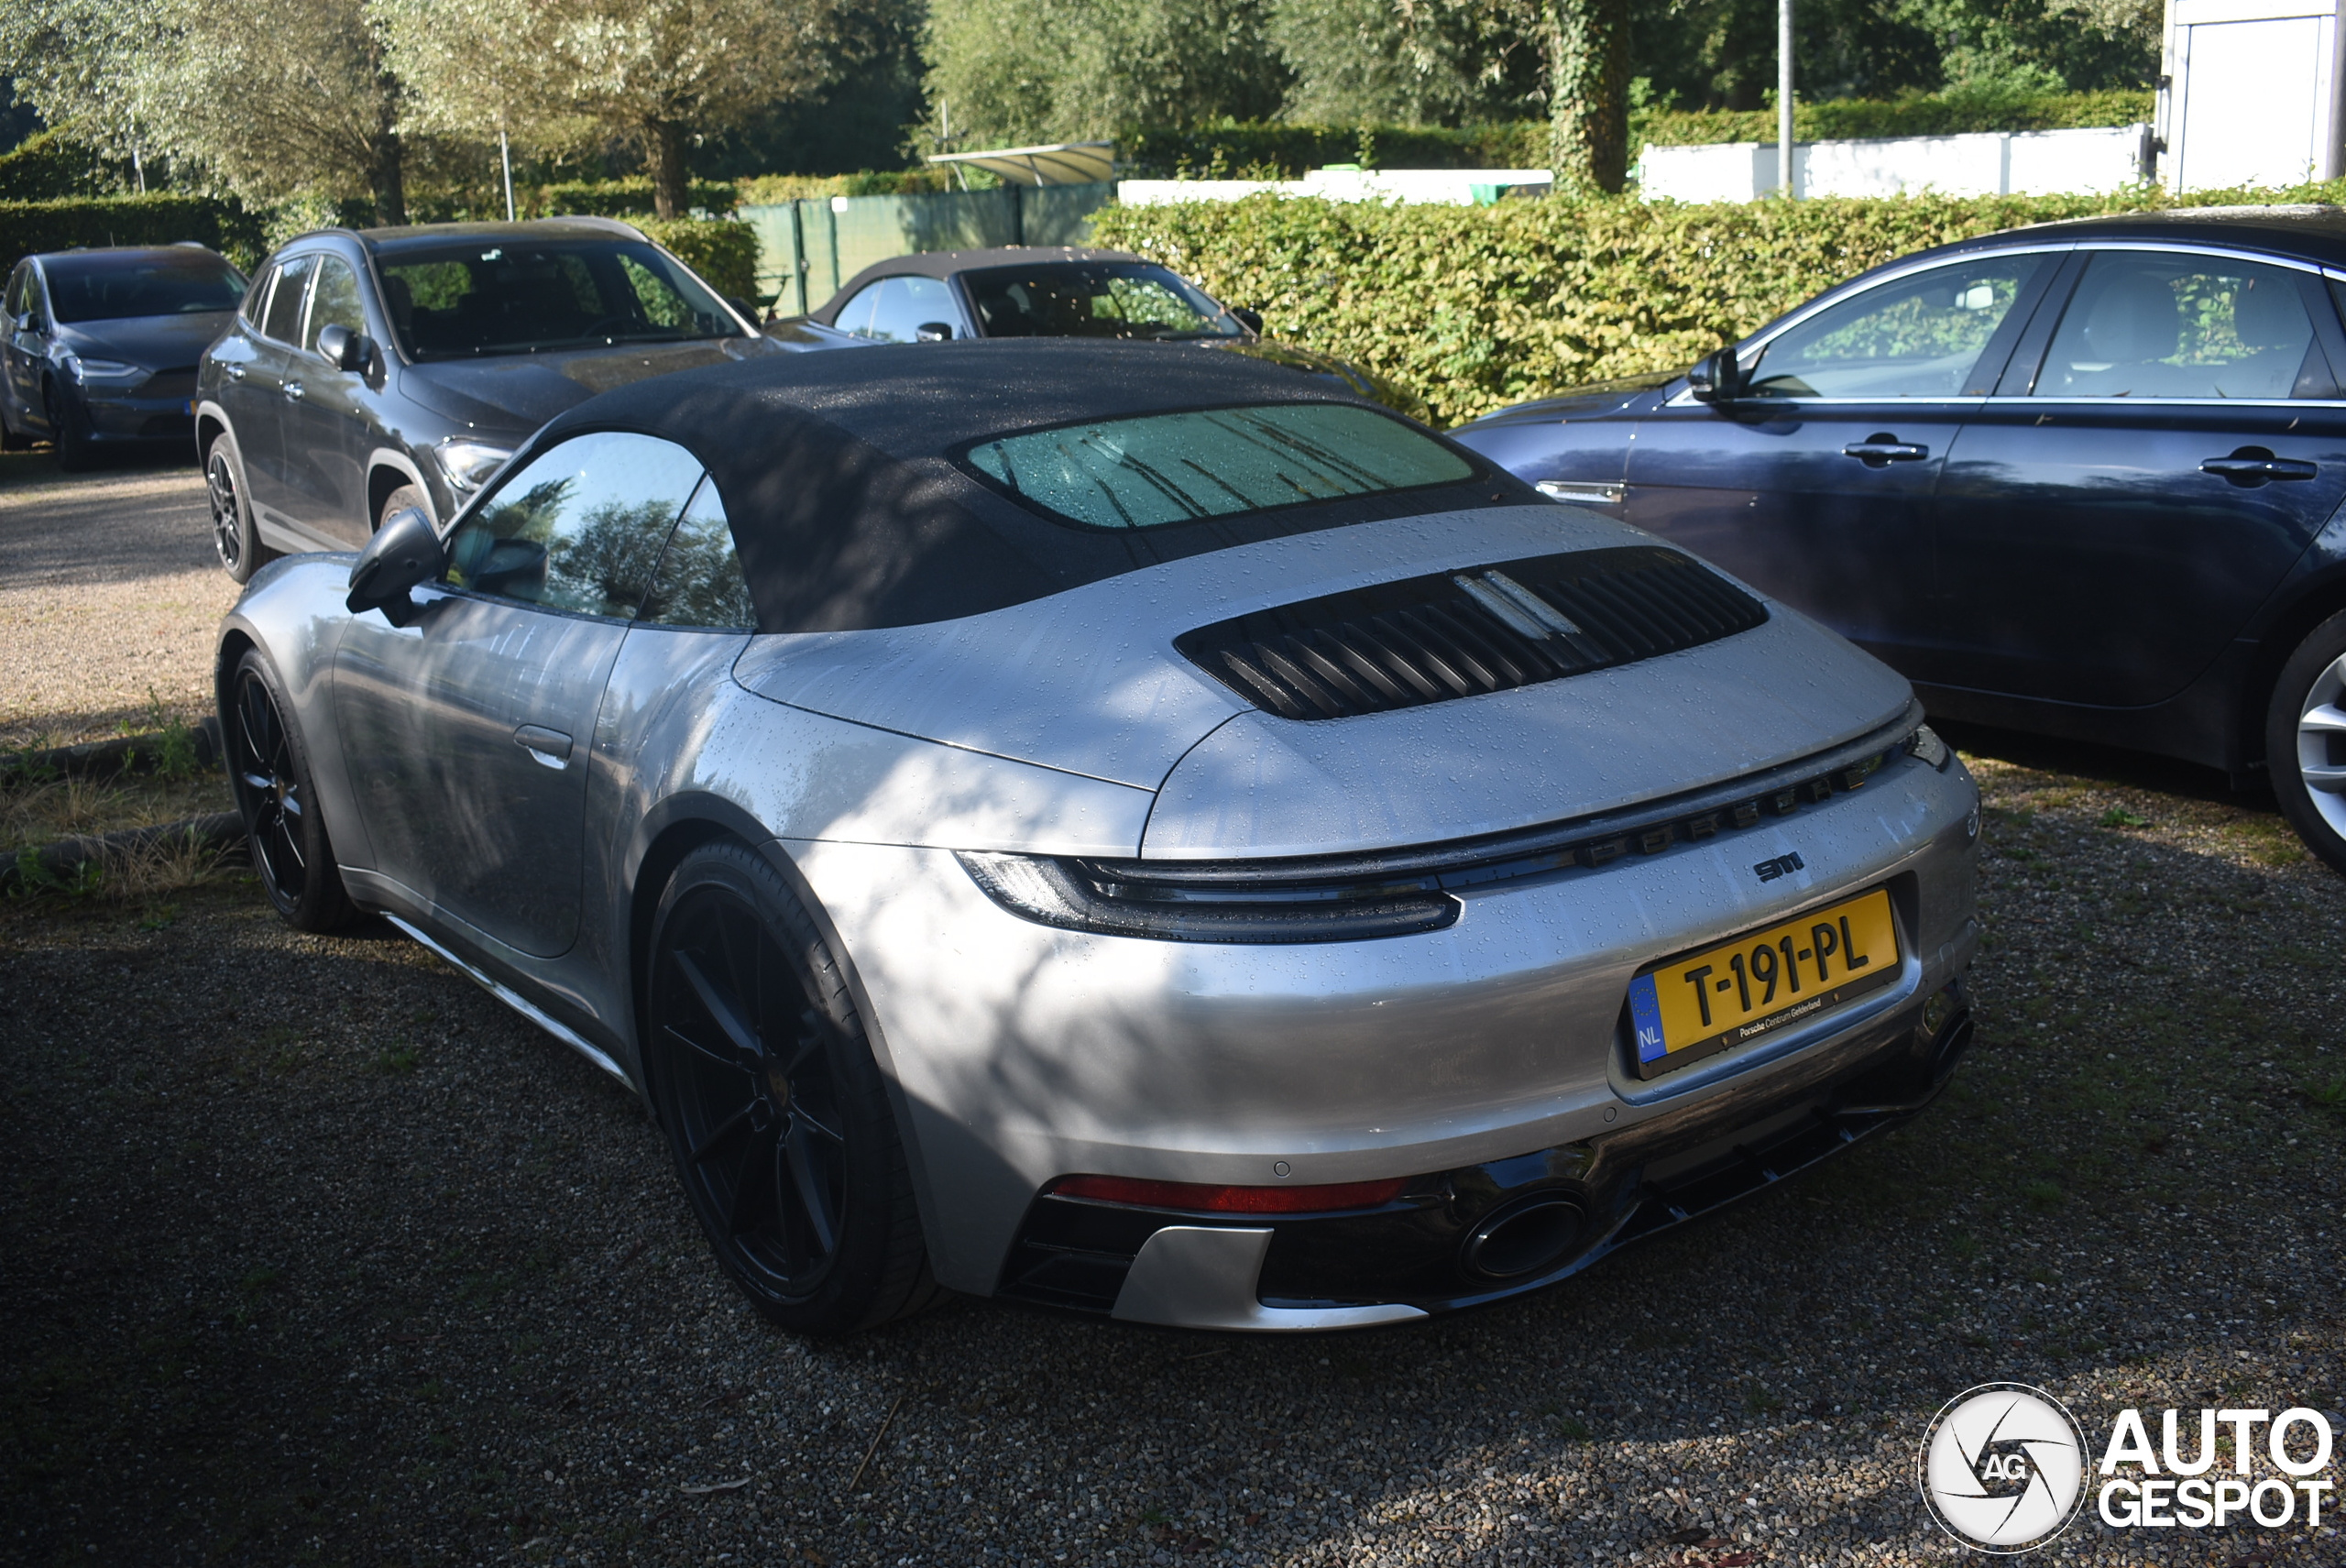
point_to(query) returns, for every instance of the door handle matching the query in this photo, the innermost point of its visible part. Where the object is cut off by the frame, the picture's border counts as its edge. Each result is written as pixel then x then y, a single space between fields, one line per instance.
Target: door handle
pixel 1881 448
pixel 292 391
pixel 2252 466
pixel 550 748
pixel 234 372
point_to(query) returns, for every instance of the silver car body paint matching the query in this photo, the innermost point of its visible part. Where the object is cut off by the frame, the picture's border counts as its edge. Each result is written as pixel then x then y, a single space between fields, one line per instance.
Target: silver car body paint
pixel 1020 1052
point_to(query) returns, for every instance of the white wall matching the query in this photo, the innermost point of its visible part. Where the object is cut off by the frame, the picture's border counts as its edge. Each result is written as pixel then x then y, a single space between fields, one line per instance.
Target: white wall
pixel 1989 163
pixel 2253 94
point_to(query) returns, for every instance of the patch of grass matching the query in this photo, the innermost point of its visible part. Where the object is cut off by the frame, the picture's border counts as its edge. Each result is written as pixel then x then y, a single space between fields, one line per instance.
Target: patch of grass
pixel 2266 840
pixel 396 1059
pixel 2328 1097
pixel 1758 1401
pixel 2042 1195
pixel 1572 1429
pixel 2119 817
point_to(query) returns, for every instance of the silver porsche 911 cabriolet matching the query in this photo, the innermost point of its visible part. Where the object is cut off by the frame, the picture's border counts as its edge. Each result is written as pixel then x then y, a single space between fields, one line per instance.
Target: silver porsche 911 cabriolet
pixel 1113 826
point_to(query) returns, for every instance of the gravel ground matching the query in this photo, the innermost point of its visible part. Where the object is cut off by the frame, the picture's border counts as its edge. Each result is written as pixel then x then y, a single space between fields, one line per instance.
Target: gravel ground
pixel 315 1254
pixel 109 593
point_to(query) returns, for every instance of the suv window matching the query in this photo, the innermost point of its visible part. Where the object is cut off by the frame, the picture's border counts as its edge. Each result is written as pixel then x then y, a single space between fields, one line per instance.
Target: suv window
pixel 18 288
pixel 580 527
pixel 284 320
pixel 333 300
pixel 520 296
pixel 699 582
pixel 2155 324
pixel 1916 336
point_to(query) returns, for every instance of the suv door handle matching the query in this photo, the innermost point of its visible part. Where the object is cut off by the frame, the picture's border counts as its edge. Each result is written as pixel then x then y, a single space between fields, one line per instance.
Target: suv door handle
pixel 234 372
pixel 292 391
pixel 1882 448
pixel 550 748
pixel 2253 465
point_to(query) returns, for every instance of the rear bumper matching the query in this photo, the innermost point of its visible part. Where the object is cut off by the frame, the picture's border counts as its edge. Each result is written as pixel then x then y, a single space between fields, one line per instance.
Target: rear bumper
pixel 1569 1206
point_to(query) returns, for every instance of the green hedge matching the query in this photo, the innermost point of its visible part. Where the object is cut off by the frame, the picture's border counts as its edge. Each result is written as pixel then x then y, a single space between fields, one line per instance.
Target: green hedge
pixel 723 251
pixel 1473 308
pixel 613 198
pixel 26 228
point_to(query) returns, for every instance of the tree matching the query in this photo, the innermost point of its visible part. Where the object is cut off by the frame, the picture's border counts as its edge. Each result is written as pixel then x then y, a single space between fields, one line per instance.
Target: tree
pixel 1588 94
pixel 265 98
pixel 561 75
pixel 1019 71
pixel 1407 62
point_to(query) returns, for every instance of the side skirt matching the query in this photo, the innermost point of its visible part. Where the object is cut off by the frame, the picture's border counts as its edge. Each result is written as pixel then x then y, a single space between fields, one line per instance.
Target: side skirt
pixel 523 1005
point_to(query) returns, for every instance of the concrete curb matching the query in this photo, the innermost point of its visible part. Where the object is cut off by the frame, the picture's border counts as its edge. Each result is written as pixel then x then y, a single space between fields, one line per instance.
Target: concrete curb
pixel 106 759
pixel 222 830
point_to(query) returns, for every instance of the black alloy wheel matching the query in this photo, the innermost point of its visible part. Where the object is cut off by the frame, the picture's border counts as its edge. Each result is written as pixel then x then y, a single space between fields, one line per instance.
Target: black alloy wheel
pixel 775 1111
pixel 268 770
pixel 234 536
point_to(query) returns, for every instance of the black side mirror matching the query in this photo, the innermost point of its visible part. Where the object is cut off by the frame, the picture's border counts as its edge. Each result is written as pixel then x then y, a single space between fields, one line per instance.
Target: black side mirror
pixel 932 332
pixel 1715 378
pixel 405 552
pixel 345 349
pixel 1251 320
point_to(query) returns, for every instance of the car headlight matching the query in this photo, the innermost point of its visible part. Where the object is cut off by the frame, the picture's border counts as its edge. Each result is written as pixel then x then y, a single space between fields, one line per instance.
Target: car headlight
pixel 1925 746
pixel 468 464
pixel 101 375
pixel 1207 903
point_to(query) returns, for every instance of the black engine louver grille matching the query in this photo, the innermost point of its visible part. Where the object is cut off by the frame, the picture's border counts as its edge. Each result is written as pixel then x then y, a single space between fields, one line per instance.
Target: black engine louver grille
pixel 1453 634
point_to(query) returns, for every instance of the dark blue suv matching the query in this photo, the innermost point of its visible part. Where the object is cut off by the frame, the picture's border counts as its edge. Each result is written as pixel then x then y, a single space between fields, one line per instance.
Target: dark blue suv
pixel 2083 479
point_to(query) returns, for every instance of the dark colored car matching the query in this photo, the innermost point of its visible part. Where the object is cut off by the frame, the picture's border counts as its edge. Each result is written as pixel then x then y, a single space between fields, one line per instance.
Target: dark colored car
pixel 2083 479
pixel 1059 292
pixel 373 370
pixel 101 344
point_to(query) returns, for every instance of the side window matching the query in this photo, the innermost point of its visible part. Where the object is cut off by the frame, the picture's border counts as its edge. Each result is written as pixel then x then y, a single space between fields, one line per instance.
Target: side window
pixel 15 303
pixel 578 528
pixel 255 308
pixel 855 316
pixel 2160 324
pixel 908 304
pixel 1916 336
pixel 700 581
pixel 333 300
pixel 283 322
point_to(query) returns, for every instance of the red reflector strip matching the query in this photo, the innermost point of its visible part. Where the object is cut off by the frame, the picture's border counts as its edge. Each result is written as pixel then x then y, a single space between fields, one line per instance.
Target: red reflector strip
pixel 1206 1197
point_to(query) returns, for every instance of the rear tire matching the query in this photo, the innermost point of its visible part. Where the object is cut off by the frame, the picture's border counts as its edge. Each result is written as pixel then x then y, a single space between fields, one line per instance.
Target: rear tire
pixel 2305 740
pixel 236 538
pixel 778 1118
pixel 269 773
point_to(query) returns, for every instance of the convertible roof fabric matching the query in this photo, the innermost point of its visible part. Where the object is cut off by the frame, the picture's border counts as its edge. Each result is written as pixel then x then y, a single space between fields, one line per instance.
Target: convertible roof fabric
pixel 850 513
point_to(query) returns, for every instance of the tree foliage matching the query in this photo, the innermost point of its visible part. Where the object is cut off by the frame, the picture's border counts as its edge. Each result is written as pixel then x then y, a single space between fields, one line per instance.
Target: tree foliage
pixel 1020 71
pixel 566 74
pixel 265 98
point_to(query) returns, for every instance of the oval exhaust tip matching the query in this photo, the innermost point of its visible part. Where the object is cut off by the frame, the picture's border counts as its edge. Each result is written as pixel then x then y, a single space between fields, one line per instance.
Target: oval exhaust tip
pixel 1524 1237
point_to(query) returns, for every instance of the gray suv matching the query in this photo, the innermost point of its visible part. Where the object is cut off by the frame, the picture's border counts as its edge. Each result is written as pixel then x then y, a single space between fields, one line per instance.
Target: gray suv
pixel 382 368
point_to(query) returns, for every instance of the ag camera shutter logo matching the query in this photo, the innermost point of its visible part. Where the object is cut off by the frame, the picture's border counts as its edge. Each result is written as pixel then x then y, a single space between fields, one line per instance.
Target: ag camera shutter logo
pixel 2002 1468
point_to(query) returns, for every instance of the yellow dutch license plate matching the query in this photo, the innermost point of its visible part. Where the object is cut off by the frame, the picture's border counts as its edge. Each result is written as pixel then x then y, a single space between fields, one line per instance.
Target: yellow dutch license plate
pixel 1693 1007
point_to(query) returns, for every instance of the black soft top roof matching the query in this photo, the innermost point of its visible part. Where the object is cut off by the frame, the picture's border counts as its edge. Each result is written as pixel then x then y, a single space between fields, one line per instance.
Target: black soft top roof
pixel 836 469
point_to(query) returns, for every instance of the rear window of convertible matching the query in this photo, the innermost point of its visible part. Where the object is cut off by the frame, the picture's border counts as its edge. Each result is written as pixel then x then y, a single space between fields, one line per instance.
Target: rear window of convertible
pixel 1163 468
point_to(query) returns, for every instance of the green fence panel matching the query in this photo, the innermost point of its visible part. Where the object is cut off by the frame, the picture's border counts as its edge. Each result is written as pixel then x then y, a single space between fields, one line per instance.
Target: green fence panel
pixel 1061 215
